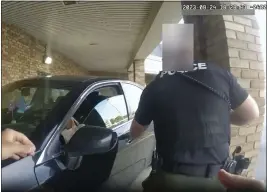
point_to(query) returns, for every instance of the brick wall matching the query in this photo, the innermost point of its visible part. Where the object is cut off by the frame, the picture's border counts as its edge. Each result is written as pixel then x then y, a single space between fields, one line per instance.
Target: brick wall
pixel 136 72
pixel 246 63
pixel 22 57
pixel 233 42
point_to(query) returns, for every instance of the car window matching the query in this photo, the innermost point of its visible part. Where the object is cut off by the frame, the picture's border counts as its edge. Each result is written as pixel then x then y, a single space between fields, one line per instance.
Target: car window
pixel 132 94
pixel 25 93
pixel 105 107
pixel 107 91
pixel 57 94
pixel 25 105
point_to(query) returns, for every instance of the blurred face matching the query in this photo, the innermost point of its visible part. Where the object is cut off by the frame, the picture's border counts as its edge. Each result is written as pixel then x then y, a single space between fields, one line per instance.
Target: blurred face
pixel 185 57
pixel 178 47
pixel 179 58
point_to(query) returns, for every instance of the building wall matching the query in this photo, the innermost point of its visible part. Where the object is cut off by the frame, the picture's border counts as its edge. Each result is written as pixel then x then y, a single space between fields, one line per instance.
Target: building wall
pixel 22 57
pixel 136 72
pixel 233 42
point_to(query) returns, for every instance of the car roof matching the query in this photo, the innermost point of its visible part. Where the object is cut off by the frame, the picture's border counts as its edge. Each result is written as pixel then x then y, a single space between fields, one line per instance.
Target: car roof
pixel 66 81
pixel 69 78
pixel 60 81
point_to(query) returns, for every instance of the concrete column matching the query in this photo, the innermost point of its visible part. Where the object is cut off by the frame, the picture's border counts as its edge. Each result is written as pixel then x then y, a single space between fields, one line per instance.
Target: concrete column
pixel 136 72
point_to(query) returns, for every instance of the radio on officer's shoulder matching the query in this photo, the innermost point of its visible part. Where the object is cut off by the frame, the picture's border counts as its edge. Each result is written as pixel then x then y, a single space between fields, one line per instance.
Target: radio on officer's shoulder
pixel 237 163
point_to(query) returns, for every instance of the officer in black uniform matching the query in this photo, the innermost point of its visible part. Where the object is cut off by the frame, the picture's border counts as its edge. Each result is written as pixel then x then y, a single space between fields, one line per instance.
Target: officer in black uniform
pixel 192 112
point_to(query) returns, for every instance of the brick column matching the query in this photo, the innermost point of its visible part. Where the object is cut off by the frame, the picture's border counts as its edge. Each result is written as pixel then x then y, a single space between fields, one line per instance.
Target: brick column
pixel 246 63
pixel 131 73
pixel 136 72
pixel 233 42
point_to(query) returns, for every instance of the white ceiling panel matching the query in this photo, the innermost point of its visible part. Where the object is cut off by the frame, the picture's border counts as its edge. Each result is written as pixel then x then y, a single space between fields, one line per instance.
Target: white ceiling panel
pixel 97 35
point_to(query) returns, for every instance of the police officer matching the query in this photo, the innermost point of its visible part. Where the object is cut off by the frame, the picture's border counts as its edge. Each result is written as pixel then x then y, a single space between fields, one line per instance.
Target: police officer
pixel 192 112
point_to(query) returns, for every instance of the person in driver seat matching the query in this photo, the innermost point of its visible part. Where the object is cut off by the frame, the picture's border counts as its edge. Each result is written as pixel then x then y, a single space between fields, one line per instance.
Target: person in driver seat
pixel 21 103
pixel 71 128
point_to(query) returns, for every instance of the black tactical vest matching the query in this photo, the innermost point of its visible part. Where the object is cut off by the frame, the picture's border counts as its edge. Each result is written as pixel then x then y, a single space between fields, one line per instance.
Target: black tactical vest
pixel 191 122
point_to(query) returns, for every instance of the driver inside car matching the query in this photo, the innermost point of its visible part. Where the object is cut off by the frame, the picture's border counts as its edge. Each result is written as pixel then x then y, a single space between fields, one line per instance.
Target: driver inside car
pixel 71 128
pixel 22 103
pixel 73 125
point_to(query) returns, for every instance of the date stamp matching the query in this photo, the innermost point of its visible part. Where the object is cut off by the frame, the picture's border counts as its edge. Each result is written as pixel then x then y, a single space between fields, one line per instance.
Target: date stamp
pixel 223 6
pixel 222 9
pixel 214 7
pixel 233 7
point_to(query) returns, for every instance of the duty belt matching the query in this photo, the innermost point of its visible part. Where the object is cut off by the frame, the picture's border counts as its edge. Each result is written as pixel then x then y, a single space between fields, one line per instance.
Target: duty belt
pixel 206 171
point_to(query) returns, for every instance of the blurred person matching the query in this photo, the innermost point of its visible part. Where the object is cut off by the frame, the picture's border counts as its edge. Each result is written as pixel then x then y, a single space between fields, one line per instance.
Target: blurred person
pixel 71 128
pixel 22 103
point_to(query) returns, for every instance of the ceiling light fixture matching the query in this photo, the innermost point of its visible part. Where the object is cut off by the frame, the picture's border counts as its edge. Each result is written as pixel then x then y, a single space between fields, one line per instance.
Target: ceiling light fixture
pixel 47 57
pixel 48 60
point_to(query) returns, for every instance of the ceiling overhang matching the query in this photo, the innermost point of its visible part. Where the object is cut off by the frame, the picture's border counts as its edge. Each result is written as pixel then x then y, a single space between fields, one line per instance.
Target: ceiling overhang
pixel 168 13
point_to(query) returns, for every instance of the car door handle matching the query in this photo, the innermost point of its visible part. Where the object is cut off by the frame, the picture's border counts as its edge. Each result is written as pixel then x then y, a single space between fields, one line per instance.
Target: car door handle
pixel 129 141
pixel 126 137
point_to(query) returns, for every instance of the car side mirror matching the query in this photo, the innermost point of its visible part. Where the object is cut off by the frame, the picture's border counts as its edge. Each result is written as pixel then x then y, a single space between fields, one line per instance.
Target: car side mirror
pixel 88 140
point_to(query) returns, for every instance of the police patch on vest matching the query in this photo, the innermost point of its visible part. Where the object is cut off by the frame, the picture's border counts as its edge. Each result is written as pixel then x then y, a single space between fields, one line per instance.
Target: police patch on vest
pixel 196 66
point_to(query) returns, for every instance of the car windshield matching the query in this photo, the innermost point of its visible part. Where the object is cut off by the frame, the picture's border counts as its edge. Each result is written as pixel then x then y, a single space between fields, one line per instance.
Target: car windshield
pixel 25 104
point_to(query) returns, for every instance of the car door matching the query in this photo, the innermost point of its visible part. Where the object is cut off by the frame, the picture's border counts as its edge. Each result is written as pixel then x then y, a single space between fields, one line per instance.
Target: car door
pixel 19 175
pixel 94 109
pixel 133 157
pixel 27 174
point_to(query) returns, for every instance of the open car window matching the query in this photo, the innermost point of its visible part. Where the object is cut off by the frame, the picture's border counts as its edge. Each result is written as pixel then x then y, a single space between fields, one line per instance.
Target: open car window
pixel 108 113
pixel 132 95
pixel 24 105
pixel 104 107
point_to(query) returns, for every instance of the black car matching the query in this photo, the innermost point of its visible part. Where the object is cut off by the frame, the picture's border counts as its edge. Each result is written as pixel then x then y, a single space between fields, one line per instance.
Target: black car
pixel 99 155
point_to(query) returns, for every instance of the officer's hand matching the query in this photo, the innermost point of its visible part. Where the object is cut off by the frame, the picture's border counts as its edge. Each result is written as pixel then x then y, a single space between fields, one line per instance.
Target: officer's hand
pixel 15 145
pixel 236 182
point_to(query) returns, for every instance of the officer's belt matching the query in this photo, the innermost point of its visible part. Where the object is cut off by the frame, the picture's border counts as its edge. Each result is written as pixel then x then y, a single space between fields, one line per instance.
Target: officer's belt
pixel 207 171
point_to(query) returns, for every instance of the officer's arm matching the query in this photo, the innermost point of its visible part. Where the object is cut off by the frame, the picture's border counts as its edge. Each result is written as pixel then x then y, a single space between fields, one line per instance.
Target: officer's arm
pixel 244 107
pixel 143 116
